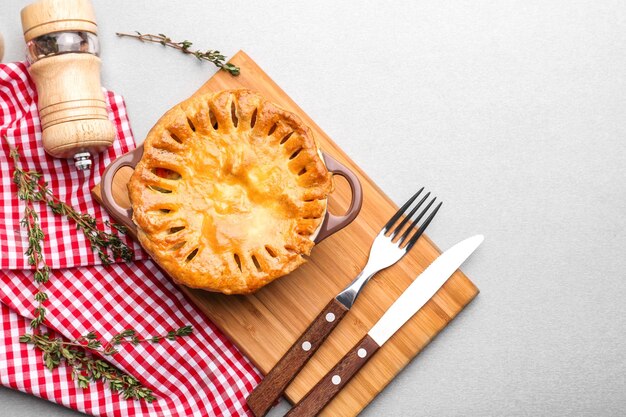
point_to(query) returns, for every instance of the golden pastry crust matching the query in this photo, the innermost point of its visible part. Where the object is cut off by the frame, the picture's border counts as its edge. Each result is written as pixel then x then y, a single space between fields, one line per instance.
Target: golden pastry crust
pixel 229 192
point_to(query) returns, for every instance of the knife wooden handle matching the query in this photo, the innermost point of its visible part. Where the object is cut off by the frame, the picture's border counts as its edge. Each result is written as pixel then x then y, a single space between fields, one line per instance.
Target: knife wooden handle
pixel 273 385
pixel 326 389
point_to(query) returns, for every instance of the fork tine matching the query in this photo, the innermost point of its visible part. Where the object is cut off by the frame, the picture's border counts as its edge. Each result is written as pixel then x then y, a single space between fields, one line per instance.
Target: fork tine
pixel 401 211
pixel 408 216
pixel 422 228
pixel 413 225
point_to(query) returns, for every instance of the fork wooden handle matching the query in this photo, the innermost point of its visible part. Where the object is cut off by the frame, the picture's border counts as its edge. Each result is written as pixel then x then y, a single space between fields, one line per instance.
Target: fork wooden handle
pixel 273 385
pixel 326 389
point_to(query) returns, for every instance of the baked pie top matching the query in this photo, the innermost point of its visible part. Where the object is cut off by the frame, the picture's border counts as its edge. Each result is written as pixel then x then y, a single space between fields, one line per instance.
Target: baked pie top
pixel 229 193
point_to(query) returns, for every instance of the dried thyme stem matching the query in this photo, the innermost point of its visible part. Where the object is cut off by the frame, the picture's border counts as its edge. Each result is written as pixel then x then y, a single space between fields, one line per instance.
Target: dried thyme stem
pixel 210 55
pixel 29 192
pixel 86 368
pixel 35 257
pixel 31 188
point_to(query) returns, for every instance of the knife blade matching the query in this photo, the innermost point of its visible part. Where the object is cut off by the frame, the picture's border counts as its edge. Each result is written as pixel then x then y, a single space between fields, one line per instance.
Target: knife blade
pixel 421 290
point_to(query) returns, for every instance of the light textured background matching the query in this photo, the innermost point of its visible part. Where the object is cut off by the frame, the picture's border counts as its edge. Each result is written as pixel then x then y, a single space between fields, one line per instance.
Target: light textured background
pixel 514 112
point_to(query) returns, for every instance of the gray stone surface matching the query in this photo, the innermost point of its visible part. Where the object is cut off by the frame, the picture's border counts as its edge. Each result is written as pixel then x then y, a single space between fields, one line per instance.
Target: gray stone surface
pixel 514 112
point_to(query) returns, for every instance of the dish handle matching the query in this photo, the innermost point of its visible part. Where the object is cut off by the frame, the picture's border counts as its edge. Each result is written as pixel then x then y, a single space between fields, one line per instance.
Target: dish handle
pixel 120 214
pixel 333 223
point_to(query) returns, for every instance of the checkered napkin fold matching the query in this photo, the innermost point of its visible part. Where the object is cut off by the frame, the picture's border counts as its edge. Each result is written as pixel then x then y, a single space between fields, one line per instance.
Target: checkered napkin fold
pixel 199 375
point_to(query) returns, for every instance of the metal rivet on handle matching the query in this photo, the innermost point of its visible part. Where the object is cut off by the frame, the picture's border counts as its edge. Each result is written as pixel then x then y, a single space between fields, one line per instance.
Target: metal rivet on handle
pixel 306 346
pixel 362 353
pixel 330 317
pixel 336 380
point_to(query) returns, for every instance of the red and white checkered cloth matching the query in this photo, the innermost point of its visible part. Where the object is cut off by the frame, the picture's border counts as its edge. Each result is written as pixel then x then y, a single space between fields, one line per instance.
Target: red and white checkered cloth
pixel 198 375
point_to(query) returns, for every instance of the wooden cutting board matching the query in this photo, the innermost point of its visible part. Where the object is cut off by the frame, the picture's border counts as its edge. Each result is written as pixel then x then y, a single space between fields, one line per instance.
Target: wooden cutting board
pixel 265 324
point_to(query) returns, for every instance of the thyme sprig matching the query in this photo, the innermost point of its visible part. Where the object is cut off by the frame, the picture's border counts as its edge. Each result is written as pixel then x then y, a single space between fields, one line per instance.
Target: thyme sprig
pixel 87 368
pixel 29 191
pixel 31 188
pixel 209 55
pixel 100 241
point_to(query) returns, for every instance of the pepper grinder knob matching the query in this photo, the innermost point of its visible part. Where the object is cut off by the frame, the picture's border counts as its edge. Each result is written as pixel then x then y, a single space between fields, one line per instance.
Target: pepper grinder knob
pixel 63 50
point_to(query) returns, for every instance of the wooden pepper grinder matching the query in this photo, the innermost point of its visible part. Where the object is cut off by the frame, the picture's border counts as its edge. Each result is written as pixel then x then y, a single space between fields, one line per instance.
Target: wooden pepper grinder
pixel 63 48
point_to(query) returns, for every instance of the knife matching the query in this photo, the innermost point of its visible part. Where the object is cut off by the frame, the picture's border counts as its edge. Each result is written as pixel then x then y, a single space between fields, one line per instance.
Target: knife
pixel 422 289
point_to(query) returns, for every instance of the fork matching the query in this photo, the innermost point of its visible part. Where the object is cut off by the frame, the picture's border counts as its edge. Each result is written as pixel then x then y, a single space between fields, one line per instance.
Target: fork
pixel 394 241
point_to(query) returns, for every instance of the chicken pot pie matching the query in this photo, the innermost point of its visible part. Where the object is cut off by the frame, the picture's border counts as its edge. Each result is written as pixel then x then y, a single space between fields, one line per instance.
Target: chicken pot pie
pixel 230 192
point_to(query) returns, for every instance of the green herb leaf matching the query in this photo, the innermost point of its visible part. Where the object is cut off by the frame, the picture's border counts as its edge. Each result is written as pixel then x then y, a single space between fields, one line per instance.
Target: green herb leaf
pixel 41 297
pixel 26 338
